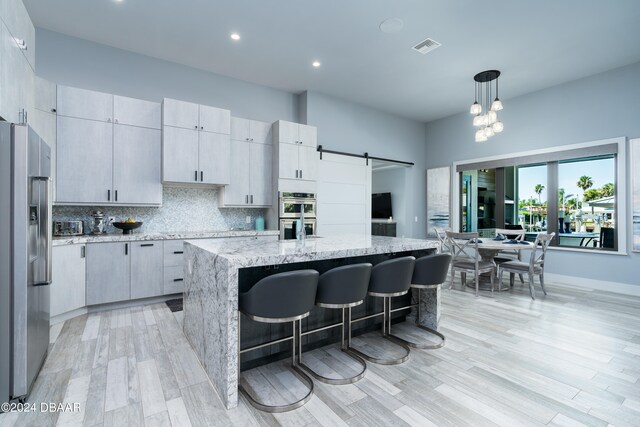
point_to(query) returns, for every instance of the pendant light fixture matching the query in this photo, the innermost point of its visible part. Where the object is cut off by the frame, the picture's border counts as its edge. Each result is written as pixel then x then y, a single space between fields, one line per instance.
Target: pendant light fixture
pixel 489 123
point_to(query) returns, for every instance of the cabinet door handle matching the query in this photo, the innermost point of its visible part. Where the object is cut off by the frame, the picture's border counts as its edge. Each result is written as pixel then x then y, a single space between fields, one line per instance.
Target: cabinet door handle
pixel 144 245
pixel 83 251
pixel 108 195
pixel 201 127
pixel 116 120
pixel 108 119
pixel 196 176
pixel 201 176
pixel 300 173
pixel 296 173
pixel 246 199
pixel 116 195
pixel 196 126
pixel 252 199
pixel 178 252
pixel 126 249
pixel 178 280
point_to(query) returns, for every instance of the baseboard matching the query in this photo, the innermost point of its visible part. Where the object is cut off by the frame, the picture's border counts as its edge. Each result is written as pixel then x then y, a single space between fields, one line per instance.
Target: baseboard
pixel 601 285
pixel 111 306
pixel 68 315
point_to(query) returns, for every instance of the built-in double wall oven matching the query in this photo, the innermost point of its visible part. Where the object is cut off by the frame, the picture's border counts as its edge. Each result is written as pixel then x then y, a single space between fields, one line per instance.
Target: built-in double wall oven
pixel 290 205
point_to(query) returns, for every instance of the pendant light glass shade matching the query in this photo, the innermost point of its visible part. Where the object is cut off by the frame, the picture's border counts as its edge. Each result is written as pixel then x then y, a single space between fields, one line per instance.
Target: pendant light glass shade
pixel 480 136
pixel 486 101
pixel 488 132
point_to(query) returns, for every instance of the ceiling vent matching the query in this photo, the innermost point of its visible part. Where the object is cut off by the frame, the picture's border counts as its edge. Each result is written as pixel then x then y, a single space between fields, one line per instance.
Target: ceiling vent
pixel 426 46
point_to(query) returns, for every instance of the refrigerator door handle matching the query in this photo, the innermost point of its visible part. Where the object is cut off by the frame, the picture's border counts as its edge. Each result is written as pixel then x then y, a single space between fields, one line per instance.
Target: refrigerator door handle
pixel 46 233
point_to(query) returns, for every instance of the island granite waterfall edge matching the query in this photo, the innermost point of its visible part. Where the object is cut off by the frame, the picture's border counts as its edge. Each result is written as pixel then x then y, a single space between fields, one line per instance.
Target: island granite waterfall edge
pixel 212 288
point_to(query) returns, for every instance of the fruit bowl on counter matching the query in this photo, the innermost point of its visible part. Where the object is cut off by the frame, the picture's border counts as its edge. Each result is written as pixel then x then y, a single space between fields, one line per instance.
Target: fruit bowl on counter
pixel 127 225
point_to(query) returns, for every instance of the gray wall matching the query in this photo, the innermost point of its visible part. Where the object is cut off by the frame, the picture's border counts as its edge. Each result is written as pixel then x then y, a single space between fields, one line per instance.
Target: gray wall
pixel 392 181
pixel 350 127
pixel 603 106
pixel 76 62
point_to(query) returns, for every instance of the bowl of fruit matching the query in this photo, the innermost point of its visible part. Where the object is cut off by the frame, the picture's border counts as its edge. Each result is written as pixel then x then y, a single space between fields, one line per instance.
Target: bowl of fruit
pixel 127 225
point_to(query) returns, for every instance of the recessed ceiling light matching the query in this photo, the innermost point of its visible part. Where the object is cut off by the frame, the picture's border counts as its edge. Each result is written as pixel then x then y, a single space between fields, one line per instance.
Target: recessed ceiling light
pixel 316 64
pixel 235 36
pixel 391 25
pixel 119 1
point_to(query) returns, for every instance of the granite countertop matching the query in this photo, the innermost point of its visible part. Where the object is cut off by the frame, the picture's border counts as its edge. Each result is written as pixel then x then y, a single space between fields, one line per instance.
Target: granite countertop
pixel 248 254
pixel 175 235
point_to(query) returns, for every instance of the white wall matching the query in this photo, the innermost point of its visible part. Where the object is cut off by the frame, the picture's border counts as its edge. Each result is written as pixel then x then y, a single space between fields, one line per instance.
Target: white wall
pixel 347 126
pixel 603 106
pixel 75 62
pixel 393 181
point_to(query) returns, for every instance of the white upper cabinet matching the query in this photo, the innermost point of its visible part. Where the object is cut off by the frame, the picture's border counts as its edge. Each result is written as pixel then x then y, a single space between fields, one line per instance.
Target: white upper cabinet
pixel 260 179
pixel 84 161
pixel 45 96
pixel 260 132
pixel 16 18
pixel 180 155
pixel 196 143
pixel 16 79
pixel 297 157
pixel 136 112
pixel 136 166
pixel 85 104
pixel 180 114
pixel 240 129
pixel 214 119
pixel 250 130
pixel 103 161
pixel 251 178
pixel 213 158
pixel 295 133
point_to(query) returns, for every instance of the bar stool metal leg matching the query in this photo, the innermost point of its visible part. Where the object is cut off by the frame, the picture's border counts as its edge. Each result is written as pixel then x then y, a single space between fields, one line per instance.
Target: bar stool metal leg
pixel 296 359
pixel 346 348
pixel 386 328
pixel 429 330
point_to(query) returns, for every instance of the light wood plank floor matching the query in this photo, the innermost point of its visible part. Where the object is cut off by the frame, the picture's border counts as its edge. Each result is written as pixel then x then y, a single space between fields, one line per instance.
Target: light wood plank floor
pixel 569 359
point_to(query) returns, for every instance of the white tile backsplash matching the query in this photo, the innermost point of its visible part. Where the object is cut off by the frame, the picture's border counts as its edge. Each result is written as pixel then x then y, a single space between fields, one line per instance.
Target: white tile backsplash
pixel 183 209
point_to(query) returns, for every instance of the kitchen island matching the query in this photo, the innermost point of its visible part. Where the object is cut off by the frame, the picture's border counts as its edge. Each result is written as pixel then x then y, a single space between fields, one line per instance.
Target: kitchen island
pixel 217 271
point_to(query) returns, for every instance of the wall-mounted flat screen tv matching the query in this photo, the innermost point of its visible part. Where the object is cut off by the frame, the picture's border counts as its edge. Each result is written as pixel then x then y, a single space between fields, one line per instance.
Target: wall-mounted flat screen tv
pixel 381 206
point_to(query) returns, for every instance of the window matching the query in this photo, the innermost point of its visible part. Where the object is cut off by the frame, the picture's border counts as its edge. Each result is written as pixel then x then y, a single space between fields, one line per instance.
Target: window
pixel 532 198
pixel 587 202
pixel 572 192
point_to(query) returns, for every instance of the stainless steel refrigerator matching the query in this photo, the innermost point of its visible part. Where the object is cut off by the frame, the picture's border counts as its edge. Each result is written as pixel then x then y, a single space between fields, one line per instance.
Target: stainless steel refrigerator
pixel 25 257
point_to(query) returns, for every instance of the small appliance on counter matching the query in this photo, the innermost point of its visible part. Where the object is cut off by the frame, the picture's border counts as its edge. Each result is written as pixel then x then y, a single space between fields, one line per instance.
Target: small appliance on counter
pixel 68 228
pixel 292 208
pixel 99 225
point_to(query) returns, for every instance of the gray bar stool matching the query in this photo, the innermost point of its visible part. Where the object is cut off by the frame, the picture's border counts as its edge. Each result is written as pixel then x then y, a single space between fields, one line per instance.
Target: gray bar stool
pixel 429 272
pixel 342 288
pixel 280 298
pixel 389 279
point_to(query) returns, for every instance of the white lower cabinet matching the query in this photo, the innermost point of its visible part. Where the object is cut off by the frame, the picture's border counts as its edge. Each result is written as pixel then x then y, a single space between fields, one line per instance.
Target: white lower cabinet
pixel 146 269
pixel 68 286
pixel 108 272
pixel 173 282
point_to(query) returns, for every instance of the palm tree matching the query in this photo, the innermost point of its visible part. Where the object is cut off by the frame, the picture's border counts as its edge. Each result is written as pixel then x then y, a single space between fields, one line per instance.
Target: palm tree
pixel 585 182
pixel 607 190
pixel 538 190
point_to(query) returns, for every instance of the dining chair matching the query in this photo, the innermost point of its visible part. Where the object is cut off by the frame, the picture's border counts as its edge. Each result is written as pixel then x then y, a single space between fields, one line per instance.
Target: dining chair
pixel 441 234
pixel 466 258
pixel 533 267
pixel 510 254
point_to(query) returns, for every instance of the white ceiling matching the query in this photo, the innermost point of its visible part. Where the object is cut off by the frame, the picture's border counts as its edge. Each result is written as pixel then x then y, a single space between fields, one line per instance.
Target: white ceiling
pixel 536 44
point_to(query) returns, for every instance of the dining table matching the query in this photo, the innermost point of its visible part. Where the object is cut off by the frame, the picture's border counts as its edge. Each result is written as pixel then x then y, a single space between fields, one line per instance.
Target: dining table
pixel 489 248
